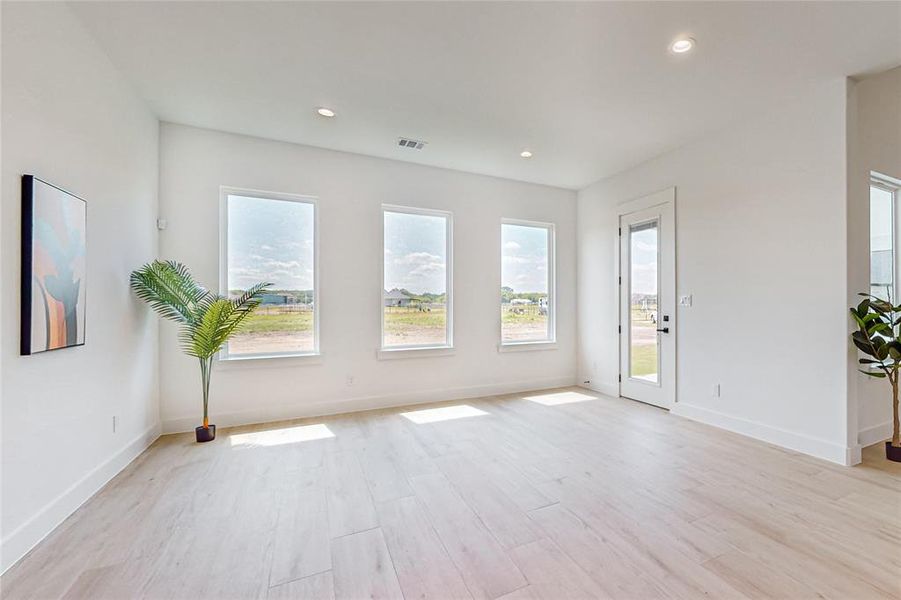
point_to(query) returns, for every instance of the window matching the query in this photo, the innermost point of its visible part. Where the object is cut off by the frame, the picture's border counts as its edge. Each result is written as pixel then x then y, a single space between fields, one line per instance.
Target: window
pixel 271 238
pixel 417 300
pixel 644 278
pixel 527 282
pixel 883 207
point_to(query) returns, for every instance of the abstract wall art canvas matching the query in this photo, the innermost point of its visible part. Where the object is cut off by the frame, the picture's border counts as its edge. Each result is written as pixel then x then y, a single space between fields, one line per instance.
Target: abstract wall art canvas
pixel 53 267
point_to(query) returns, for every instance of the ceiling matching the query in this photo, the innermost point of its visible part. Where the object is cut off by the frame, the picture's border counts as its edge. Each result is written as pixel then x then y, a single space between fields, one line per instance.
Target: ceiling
pixel 589 88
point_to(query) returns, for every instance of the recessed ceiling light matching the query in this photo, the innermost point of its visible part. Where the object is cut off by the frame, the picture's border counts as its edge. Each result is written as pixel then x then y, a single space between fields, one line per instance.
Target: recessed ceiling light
pixel 325 112
pixel 682 45
pixel 525 154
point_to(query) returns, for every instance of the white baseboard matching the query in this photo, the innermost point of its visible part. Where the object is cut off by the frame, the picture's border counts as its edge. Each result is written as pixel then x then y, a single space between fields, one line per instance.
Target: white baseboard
pixel 334 407
pixel 875 434
pixel 25 537
pixel 608 389
pixel 820 448
pixel 853 456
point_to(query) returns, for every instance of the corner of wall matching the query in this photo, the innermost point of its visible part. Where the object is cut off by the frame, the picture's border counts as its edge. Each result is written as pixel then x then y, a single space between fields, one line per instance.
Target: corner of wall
pixel 101 140
pixel 856 228
pixel 24 538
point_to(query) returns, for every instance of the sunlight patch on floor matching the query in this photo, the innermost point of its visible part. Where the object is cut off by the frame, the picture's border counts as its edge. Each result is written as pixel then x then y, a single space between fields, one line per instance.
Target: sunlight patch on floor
pixel 278 437
pixel 445 413
pixel 557 398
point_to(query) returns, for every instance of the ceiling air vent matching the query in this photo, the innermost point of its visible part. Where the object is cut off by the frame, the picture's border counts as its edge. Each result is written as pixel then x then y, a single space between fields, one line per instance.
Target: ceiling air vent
pixel 413 144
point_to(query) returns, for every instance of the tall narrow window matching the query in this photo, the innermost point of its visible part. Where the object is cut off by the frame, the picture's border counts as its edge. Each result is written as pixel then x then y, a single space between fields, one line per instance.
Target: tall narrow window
pixel 883 195
pixel 644 278
pixel 417 301
pixel 527 282
pixel 272 238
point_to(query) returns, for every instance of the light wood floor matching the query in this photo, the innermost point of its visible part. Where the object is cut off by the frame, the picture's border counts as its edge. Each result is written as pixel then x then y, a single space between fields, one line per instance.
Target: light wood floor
pixel 579 497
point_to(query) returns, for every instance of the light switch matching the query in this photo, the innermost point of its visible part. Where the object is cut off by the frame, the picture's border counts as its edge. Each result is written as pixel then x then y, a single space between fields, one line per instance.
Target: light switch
pixel 685 300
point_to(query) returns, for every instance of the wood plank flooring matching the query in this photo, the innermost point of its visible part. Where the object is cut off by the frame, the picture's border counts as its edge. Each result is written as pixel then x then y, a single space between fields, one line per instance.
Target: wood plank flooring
pixel 557 494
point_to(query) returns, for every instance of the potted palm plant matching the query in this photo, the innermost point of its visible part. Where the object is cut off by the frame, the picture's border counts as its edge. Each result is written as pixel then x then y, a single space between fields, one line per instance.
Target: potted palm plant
pixel 879 337
pixel 207 320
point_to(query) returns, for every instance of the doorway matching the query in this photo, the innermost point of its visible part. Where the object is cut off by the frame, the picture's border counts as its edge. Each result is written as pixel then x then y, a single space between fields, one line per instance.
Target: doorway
pixel 647 281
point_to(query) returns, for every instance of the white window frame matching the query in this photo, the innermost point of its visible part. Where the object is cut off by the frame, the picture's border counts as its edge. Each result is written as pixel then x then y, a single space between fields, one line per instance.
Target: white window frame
pixel 409 350
pixel 224 193
pixel 893 186
pixel 550 342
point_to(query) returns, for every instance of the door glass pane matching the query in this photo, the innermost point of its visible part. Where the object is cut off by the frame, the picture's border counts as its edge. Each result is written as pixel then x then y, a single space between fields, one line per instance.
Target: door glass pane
pixel 643 340
pixel 881 263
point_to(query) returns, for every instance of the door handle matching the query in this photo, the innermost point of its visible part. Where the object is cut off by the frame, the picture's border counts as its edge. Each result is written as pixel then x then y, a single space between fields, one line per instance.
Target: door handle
pixel 664 330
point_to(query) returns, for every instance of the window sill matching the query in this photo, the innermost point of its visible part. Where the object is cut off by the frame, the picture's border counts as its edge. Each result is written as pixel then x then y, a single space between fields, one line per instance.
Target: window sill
pixel 269 360
pixel 421 352
pixel 527 346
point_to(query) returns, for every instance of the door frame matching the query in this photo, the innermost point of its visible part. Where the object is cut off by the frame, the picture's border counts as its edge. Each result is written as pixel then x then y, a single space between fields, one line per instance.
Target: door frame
pixel 664 196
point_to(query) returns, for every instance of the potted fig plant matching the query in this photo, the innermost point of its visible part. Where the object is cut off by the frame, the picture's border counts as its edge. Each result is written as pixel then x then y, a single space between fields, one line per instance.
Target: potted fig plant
pixel 207 320
pixel 879 326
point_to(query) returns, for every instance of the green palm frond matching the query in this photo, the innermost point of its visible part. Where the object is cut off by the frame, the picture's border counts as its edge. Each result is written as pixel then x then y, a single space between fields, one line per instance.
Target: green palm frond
pixel 250 299
pixel 217 319
pixel 169 288
pixel 207 319
pixel 247 302
pixel 208 334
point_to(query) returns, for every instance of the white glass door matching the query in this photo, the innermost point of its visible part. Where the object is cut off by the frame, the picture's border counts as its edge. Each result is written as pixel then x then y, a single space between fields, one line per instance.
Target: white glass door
pixel 647 305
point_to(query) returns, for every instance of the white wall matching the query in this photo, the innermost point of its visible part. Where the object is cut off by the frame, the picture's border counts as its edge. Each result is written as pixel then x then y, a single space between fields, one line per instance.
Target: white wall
pixel 351 189
pixel 760 217
pixel 69 118
pixel 874 144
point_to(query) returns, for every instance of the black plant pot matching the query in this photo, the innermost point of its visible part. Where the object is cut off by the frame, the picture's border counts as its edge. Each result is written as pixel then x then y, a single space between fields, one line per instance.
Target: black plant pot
pixel 205 434
pixel 892 452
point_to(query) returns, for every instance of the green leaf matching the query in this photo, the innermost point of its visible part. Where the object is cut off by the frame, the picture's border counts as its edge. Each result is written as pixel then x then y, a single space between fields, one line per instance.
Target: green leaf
pixel 878 328
pixel 863 343
pixel 880 306
pixel 207 319
pixel 169 288
pixel 873 373
pixel 210 333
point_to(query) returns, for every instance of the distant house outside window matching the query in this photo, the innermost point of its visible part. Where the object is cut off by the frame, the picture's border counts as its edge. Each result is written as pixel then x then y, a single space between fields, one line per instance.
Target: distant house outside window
pixel 417 298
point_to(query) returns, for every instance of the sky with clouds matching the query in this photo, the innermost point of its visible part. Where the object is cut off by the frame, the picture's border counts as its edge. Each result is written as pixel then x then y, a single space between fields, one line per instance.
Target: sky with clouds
pixel 415 252
pixel 644 261
pixel 270 240
pixel 880 219
pixel 524 258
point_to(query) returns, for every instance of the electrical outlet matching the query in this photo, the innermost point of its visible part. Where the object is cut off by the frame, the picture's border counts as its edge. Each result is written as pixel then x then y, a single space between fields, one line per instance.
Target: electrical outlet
pixel 716 390
pixel 350 380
